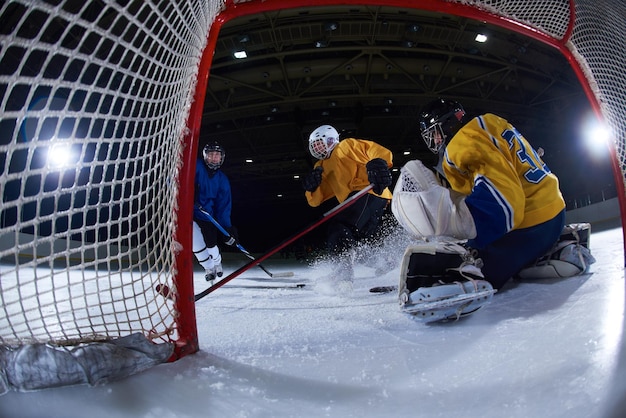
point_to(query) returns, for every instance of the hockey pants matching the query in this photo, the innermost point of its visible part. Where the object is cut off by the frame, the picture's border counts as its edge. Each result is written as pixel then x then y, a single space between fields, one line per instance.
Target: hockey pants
pixel 504 258
pixel 361 220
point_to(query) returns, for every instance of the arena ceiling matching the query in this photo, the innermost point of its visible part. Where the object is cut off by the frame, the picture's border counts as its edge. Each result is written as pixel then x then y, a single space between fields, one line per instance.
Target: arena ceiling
pixel 367 71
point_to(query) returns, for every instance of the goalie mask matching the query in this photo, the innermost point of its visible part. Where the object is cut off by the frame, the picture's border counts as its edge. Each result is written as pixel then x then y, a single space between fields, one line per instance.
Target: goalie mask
pixel 439 121
pixel 322 141
pixel 213 155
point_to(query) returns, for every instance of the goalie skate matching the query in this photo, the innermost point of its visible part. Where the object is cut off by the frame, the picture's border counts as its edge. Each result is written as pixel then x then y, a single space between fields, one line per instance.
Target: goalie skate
pixel 444 302
pixel 441 281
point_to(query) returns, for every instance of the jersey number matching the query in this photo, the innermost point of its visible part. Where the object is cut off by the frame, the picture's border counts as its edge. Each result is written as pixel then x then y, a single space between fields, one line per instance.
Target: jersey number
pixel 527 155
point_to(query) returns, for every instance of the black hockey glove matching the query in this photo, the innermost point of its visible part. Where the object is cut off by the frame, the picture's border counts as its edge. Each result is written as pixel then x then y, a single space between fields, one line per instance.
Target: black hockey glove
pixel 234 236
pixel 311 181
pixel 378 174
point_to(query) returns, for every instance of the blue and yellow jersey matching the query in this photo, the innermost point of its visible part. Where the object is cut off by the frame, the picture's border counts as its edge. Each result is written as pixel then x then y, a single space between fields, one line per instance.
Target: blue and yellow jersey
pixel 507 184
pixel 344 171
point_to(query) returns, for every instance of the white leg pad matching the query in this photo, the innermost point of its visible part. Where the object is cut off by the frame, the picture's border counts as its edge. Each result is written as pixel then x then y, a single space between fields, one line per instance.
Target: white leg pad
pixel 441 281
pixel 570 256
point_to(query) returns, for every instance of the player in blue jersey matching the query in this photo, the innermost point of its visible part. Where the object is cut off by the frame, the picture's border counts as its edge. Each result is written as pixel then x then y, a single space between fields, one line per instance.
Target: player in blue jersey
pixel 212 194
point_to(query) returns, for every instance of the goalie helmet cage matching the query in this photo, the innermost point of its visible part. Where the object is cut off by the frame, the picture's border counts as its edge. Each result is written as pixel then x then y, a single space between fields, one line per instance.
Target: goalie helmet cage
pixel 118 88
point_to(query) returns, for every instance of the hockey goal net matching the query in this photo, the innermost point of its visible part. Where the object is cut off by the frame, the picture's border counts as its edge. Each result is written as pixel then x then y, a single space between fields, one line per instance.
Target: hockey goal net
pixel 116 90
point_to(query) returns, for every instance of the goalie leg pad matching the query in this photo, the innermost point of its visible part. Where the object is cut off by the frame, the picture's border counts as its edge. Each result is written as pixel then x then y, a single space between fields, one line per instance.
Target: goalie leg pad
pixel 551 269
pixel 569 257
pixel 440 281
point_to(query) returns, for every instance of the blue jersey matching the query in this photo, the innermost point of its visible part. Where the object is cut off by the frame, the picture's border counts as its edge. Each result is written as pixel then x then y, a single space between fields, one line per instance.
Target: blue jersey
pixel 212 193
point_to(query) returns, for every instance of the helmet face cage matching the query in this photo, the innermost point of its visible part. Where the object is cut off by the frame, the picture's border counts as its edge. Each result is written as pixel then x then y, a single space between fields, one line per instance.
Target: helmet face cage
pixel 322 141
pixel 213 155
pixel 433 136
pixel 439 122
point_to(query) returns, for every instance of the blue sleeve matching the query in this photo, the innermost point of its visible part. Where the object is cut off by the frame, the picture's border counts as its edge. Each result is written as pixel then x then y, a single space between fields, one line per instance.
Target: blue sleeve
pixel 223 203
pixel 492 214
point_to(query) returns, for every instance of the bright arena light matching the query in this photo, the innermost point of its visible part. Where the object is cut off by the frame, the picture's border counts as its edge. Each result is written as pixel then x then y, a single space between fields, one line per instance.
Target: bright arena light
pixel 596 135
pixel 60 156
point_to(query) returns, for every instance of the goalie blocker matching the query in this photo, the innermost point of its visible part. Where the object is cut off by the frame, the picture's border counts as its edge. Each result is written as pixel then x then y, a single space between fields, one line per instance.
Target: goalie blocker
pixel 441 281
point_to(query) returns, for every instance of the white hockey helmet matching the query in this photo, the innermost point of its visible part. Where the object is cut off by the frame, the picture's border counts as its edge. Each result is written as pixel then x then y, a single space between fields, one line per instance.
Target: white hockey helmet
pixel 322 141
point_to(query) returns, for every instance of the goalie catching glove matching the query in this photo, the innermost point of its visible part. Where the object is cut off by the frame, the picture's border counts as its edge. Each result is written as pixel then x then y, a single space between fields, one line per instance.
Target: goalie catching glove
pixel 441 281
pixel 426 209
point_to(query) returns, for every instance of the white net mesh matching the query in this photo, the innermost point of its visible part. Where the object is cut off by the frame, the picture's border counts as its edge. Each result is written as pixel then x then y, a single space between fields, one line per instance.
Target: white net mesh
pixel 109 85
pixel 551 17
pixel 598 41
pixel 95 99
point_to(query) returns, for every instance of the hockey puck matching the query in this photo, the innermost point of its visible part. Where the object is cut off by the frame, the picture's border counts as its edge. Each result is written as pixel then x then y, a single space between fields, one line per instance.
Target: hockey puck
pixel 383 289
pixel 163 290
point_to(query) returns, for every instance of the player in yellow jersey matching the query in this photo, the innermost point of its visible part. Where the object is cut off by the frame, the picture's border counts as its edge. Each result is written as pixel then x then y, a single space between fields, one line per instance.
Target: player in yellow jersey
pixel 344 168
pixel 502 198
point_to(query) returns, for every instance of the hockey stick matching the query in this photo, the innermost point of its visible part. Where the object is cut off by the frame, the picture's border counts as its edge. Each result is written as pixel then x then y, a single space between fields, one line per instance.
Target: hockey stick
pixel 164 290
pixel 239 246
pixel 343 205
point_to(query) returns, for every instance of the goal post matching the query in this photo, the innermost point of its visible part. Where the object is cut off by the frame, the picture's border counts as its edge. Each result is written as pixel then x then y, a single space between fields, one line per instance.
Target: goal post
pixel 101 111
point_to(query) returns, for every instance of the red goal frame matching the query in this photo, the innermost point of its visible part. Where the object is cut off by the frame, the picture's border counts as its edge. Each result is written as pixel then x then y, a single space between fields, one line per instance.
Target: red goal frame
pixel 235 9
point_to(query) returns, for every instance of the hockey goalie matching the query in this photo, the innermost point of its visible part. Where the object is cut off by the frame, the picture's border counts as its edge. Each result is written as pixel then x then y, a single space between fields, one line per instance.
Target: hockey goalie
pixel 490 210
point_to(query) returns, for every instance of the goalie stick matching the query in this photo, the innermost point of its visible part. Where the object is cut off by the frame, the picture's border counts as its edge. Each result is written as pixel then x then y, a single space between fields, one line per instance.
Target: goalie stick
pixel 239 246
pixel 334 211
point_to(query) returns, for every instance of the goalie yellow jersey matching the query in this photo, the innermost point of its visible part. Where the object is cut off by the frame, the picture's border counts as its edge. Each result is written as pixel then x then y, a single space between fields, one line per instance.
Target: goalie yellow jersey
pixel 344 171
pixel 507 184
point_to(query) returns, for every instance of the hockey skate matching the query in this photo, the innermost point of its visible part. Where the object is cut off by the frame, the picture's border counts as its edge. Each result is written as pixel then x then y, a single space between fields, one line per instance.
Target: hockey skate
pixel 209 275
pixel 441 281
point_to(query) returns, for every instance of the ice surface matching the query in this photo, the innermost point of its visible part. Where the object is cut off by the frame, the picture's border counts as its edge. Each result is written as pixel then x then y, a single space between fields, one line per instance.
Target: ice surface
pixel 547 348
